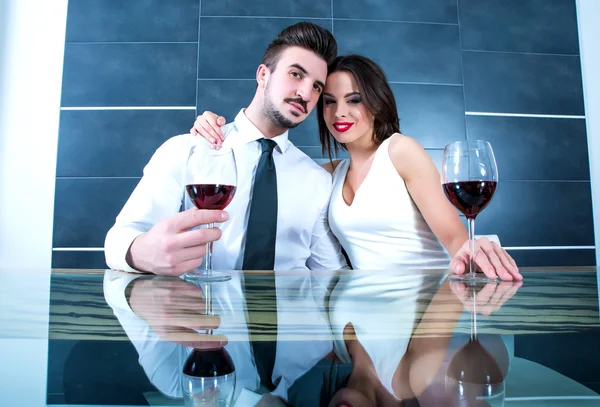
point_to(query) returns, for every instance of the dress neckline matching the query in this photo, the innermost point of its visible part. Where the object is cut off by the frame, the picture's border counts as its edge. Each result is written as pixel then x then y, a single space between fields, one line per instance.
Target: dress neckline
pixel 345 174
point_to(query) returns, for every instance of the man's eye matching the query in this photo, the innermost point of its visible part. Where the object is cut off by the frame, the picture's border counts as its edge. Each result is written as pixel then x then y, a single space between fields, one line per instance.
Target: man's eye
pixel 296 75
pixel 317 88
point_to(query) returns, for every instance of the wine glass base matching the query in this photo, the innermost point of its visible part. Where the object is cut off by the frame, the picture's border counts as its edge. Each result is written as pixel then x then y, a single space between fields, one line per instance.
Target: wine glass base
pixel 197 276
pixel 472 279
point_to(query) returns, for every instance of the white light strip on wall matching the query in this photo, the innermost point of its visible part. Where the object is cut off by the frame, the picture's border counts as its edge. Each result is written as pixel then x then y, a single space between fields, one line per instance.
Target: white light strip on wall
pixel 542 116
pixel 129 108
pixel 550 248
pixel 78 249
pixel 552 398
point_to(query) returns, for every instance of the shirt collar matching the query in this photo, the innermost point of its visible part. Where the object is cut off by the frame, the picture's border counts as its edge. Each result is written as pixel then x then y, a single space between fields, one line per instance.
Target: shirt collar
pixel 247 132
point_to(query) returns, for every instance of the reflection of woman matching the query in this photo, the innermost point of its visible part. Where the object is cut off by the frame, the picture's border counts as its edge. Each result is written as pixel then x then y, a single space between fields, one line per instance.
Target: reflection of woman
pixel 372 318
pixel 379 311
pixel 401 354
pixel 387 208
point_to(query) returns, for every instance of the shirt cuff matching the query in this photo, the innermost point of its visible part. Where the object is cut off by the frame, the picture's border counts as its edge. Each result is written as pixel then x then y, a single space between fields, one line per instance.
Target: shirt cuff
pixel 116 246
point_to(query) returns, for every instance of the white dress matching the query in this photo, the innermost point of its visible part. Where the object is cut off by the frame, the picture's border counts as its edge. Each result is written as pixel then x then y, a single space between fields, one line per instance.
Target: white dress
pixel 383 228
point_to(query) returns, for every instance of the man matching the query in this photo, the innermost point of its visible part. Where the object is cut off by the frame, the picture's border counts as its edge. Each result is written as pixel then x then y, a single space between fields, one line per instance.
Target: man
pixel 279 213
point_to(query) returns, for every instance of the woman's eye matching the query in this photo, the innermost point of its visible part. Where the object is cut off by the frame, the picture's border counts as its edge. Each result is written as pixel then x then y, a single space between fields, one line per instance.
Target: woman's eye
pixel 328 101
pixel 355 100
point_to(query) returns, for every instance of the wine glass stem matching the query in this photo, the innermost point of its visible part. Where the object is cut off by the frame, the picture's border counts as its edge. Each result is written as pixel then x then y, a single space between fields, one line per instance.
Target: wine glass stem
pixel 209 253
pixel 208 303
pixel 474 316
pixel 471 224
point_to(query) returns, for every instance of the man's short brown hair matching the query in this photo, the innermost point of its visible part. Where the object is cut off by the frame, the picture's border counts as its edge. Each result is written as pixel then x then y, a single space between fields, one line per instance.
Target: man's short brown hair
pixel 305 35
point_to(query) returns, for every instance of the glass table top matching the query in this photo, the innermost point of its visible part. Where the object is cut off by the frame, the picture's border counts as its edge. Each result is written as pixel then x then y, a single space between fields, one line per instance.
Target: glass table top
pixel 369 338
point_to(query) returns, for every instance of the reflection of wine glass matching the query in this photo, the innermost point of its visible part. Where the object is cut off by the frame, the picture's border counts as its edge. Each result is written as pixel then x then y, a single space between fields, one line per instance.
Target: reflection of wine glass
pixel 469 177
pixel 209 377
pixel 474 378
pixel 211 183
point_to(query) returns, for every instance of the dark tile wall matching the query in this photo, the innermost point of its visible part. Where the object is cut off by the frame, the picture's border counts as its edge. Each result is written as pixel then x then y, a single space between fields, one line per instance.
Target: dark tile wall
pixel 448 62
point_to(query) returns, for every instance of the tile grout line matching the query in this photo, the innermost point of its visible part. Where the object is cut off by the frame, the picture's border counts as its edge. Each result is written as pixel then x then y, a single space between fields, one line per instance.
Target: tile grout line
pixel 483 51
pixel 198 57
pixel 462 69
pixel 374 20
pixel 332 28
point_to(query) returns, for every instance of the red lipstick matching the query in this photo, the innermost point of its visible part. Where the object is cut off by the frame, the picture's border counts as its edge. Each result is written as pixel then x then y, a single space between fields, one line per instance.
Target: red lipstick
pixel 342 127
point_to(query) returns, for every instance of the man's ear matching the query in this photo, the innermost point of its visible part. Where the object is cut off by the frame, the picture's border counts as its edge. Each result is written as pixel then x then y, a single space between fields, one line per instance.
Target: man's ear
pixel 262 75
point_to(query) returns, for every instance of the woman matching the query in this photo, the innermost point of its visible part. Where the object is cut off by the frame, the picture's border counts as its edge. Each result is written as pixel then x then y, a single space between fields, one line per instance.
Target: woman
pixel 387 207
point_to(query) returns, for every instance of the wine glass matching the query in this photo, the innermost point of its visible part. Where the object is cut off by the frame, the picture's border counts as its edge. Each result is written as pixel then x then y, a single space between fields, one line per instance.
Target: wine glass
pixel 469 178
pixel 211 184
pixel 474 378
pixel 208 378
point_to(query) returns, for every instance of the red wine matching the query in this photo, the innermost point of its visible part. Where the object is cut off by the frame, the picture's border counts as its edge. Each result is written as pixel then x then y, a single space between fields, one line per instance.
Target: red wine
pixel 210 196
pixel 208 378
pixel 473 364
pixel 470 197
pixel 208 363
pixel 474 378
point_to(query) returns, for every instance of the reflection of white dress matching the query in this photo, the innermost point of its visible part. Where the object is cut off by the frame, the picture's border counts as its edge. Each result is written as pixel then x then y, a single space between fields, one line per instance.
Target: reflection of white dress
pixel 383 227
pixel 362 298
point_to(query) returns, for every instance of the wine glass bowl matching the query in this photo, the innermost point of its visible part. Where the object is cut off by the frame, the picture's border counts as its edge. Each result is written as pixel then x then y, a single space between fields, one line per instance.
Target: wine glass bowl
pixel 210 196
pixel 469 180
pixel 208 379
pixel 474 378
pixel 470 197
pixel 211 180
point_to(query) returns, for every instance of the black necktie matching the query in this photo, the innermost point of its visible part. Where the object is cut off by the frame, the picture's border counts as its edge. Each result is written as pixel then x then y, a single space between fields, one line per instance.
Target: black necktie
pixel 259 252
pixel 261 313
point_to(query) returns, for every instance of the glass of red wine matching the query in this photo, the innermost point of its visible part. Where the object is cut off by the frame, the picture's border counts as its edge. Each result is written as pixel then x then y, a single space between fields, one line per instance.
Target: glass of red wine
pixel 211 183
pixel 469 178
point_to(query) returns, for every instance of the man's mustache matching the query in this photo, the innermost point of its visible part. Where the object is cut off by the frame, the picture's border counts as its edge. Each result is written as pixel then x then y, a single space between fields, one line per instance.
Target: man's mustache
pixel 299 101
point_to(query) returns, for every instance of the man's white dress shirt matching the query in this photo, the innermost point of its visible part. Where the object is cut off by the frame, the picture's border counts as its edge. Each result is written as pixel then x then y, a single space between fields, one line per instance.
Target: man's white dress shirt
pixel 304 239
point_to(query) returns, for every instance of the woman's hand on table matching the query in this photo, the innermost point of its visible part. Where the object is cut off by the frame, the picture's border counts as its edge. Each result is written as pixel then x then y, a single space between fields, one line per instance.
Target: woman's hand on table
pixel 490 258
pixel 490 298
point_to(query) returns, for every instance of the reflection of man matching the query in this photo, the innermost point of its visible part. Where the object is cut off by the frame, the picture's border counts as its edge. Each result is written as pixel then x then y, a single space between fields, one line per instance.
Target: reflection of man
pixel 177 319
pixel 282 195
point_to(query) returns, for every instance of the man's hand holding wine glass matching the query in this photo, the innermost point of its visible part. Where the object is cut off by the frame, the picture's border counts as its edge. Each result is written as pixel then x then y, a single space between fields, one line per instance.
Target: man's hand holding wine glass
pixel 172 247
pixel 172 307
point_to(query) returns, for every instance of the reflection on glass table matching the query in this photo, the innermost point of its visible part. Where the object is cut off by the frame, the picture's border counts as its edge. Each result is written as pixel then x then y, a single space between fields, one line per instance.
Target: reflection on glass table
pixel 123 339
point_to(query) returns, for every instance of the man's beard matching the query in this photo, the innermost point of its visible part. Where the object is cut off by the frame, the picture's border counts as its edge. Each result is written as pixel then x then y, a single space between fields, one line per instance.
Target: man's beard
pixel 275 115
